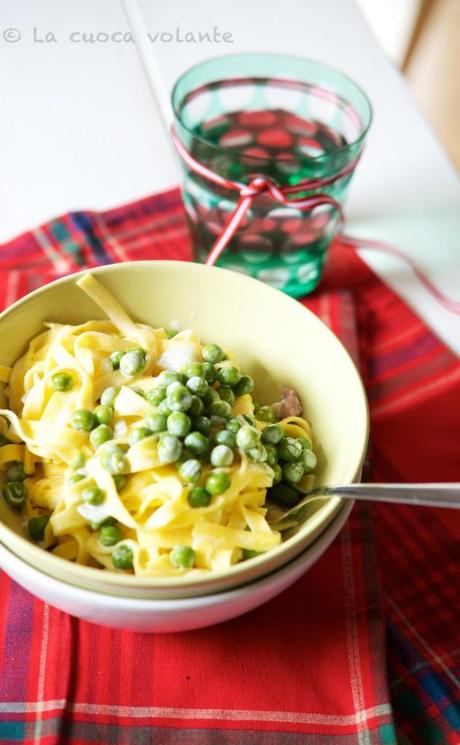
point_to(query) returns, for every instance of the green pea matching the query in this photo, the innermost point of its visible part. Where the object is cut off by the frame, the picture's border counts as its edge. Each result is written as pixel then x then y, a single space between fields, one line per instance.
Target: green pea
pixel 109 395
pixel 202 424
pixel 199 497
pixel 277 474
pixel 156 422
pixel 167 377
pixel 123 557
pixel 212 353
pixel 197 407
pixel 248 553
pixel 182 557
pixel 265 414
pixel 272 455
pixel 226 394
pixel 62 382
pixel 176 385
pixel 78 461
pixel 119 480
pixel 244 385
pixel 221 409
pixel 164 408
pixel 308 460
pixel 209 372
pixel 306 443
pixel 14 493
pixel 171 333
pixel 83 419
pixel 197 443
pixel 197 385
pixel 190 470
pixel 132 363
pixel 179 397
pixel 224 437
pixel 115 359
pixel 93 495
pixel 169 449
pixel 193 369
pixel 97 525
pixel 217 483
pixel 15 471
pixel 284 494
pixel 258 453
pixel 114 447
pixel 138 434
pixel 247 437
pixel 233 426
pixel 221 456
pixel 228 375
pixel 210 396
pixel 76 477
pixel 289 449
pixel 101 434
pixel 272 434
pixel 293 472
pixel 103 413
pixel 140 350
pixel 109 535
pixel 115 462
pixel 178 424
pixel 156 395
pixel 249 419
pixel 36 527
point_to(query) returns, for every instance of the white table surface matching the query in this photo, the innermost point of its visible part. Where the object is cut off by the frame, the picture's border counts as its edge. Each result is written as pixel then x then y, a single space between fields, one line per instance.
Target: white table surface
pixel 80 128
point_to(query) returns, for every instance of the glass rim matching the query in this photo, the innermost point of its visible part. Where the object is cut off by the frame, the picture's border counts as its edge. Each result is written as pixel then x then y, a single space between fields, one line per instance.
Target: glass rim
pixel 280 56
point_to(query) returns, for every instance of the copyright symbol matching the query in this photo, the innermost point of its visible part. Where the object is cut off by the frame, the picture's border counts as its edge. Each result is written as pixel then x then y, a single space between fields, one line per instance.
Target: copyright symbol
pixel 11 35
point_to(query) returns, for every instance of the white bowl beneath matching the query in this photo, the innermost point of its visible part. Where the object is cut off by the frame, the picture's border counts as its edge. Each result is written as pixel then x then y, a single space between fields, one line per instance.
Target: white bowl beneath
pixel 167 615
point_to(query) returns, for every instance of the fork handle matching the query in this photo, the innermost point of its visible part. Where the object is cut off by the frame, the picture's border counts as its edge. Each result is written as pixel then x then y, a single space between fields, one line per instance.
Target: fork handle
pixel 430 495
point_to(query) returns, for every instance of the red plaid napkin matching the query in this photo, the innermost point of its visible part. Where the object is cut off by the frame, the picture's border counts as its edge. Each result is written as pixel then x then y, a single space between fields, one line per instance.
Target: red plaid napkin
pixel 308 667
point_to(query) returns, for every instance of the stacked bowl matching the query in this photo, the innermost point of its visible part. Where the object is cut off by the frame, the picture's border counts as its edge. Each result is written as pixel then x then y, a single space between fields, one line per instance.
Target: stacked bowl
pixel 276 340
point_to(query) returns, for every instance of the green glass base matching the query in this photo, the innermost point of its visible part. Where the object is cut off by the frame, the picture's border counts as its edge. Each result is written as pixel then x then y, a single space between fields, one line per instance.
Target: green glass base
pixel 297 276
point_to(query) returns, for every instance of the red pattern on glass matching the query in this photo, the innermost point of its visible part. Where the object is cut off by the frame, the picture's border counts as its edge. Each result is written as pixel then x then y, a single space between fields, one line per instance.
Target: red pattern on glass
pixel 259 185
pixel 265 185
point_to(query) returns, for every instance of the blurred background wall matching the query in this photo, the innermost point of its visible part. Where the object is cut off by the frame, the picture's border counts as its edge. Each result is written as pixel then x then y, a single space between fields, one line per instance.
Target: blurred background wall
pixel 423 38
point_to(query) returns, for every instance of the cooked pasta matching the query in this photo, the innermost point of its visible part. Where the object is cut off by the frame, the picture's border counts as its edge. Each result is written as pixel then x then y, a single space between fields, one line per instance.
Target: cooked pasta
pixel 132 448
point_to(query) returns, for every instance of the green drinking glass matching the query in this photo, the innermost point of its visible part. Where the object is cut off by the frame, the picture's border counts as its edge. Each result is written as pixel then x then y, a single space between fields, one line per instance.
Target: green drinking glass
pixel 295 124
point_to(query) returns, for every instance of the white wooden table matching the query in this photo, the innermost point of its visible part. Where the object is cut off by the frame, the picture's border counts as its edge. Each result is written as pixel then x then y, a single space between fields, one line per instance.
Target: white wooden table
pixel 80 128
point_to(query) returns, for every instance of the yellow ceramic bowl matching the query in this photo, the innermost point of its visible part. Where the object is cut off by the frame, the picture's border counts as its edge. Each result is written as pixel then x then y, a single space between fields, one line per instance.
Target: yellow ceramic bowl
pixel 275 339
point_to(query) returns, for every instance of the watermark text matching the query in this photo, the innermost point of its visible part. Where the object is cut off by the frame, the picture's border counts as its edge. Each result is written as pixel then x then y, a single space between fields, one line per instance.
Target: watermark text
pixel 177 35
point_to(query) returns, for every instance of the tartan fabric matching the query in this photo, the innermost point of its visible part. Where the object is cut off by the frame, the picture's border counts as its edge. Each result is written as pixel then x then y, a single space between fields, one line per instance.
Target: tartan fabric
pixel 308 667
